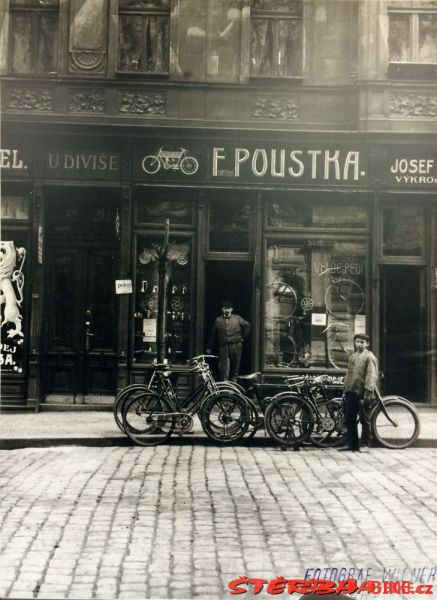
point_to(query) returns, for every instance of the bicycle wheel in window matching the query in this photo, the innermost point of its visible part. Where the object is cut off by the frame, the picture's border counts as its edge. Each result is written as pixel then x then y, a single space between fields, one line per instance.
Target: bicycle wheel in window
pixel 280 301
pixel 330 427
pixel 148 419
pixel 224 416
pixel 344 298
pixel 289 419
pixel 401 429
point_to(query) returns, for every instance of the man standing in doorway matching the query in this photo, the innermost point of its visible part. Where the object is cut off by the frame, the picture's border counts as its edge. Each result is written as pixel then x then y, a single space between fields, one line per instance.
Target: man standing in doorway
pixel 229 332
pixel 359 389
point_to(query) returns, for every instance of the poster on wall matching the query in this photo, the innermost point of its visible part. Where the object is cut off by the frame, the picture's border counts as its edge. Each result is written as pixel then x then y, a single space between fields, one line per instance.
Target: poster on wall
pixel 11 299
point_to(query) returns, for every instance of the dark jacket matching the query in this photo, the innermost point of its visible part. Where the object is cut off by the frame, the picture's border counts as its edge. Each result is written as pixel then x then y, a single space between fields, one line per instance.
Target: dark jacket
pixel 233 330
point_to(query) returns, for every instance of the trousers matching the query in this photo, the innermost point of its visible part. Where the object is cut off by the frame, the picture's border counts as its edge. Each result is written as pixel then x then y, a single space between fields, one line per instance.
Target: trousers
pixel 229 361
pixel 354 406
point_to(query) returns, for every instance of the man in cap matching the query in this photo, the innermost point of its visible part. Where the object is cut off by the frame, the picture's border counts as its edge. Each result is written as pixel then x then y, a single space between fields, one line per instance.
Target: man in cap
pixel 229 332
pixel 359 389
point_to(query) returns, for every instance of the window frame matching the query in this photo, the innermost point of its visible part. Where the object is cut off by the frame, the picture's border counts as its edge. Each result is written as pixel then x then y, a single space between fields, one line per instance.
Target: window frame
pixel 143 13
pixel 35 11
pixel 280 15
pixel 414 66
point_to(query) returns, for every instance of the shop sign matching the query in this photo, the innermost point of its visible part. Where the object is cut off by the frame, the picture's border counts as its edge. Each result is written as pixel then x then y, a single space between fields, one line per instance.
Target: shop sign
pixel 149 330
pixel 304 163
pixel 405 166
pixel 252 163
pixel 89 164
pixel 12 161
pixel 123 286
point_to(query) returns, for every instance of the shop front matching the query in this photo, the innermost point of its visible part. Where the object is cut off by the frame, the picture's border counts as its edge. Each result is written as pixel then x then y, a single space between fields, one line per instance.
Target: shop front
pixel 314 241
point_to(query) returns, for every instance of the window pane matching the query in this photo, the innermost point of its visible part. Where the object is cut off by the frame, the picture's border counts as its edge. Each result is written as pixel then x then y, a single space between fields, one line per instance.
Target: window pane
pixel 178 301
pixel 399 38
pixel 156 211
pixel 293 6
pixel 47 42
pixel 314 302
pixel 288 214
pixel 276 46
pixel 403 231
pixel 21 40
pixel 144 4
pixel 144 41
pixel 229 222
pixel 14 207
pixel 131 36
pixel 428 38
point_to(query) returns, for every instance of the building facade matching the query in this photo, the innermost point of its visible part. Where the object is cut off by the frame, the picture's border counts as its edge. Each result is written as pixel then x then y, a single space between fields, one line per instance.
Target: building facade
pixel 292 144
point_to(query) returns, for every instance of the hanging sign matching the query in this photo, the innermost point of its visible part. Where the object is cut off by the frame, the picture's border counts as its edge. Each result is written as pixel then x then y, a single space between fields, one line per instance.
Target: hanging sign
pixel 123 286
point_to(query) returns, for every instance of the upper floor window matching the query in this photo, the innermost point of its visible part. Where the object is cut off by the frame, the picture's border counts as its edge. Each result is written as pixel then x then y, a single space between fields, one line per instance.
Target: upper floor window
pixel 276 38
pixel 144 36
pixel 34 36
pixel 413 31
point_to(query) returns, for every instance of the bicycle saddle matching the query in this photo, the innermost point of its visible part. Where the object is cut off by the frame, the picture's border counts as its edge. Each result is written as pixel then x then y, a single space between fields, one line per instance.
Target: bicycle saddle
pixel 250 377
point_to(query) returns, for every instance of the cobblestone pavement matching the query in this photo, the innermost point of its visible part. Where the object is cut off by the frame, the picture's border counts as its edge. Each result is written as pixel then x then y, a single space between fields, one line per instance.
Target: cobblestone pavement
pixel 181 521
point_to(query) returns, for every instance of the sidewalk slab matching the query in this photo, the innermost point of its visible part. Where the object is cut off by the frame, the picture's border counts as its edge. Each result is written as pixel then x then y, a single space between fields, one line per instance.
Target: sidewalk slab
pixel 19 429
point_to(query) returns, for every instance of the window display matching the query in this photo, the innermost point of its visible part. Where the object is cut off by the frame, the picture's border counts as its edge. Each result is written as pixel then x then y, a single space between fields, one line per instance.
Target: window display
pixel 283 213
pixel 314 301
pixel 178 300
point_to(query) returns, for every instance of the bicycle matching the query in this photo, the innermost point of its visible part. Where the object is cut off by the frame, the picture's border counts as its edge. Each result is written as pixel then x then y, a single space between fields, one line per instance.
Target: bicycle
pixel 306 412
pixel 153 414
pixel 170 160
pixel 136 389
pixel 319 418
pixel 343 297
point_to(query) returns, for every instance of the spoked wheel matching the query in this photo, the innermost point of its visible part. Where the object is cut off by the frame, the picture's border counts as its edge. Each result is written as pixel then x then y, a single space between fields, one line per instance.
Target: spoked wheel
pixel 405 428
pixel 148 419
pixel 330 427
pixel 225 417
pixel 121 400
pixel 289 419
pixel 344 298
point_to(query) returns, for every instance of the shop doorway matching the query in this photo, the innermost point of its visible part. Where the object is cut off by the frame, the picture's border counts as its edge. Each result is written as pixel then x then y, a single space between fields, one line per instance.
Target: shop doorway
pixel 81 264
pixel 231 280
pixel 403 332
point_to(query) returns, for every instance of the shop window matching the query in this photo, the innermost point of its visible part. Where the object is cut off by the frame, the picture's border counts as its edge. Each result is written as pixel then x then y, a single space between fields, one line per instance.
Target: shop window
pixel 34 36
pixel 229 225
pixel 283 213
pixel 413 38
pixel 314 302
pixel 178 300
pixel 144 34
pixel 276 38
pixel 15 207
pixel 403 231
pixel 154 208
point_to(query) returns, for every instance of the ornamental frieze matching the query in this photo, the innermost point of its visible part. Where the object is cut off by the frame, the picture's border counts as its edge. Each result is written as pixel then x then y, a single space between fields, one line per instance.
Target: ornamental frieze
pixel 275 108
pixel 142 104
pixel 24 99
pixel 413 105
pixel 87 102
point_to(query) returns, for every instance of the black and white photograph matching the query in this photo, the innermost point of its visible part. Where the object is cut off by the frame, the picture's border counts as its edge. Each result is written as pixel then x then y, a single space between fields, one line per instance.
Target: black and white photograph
pixel 218 299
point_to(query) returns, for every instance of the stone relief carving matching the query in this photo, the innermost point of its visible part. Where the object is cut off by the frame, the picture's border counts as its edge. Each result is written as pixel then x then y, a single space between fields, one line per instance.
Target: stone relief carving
pixel 142 104
pixel 87 102
pixel 413 105
pixel 87 59
pixel 275 108
pixel 22 99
